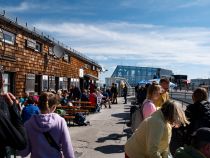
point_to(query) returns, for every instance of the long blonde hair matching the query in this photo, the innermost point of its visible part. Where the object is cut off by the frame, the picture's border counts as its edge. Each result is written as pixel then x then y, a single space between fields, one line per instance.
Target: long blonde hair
pixel 152 89
pixel 174 113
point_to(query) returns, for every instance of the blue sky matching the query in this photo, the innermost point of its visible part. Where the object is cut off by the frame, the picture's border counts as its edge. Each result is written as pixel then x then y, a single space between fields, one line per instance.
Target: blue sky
pixel 172 34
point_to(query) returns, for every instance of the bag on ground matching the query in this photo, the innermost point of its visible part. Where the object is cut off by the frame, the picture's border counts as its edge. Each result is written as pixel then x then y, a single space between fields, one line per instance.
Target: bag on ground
pixel 80 119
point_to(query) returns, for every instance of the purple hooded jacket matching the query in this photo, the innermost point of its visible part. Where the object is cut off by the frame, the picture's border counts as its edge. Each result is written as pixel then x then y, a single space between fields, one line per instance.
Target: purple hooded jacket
pixel 37 143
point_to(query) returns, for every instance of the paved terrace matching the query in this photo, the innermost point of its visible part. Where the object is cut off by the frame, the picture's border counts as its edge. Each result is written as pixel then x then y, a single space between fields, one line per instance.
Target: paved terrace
pixel 106 134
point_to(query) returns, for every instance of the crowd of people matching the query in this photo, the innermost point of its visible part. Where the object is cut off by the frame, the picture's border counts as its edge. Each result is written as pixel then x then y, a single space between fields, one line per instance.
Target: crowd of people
pixel 163 118
pixel 31 125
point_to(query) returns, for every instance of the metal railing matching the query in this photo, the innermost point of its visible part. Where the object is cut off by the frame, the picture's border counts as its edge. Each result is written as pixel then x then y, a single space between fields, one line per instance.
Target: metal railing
pixel 184 97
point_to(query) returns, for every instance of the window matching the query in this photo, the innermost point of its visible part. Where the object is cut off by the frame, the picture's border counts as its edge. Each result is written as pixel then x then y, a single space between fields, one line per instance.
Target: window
pixel 30 43
pixel 133 73
pixel 144 71
pixel 66 57
pixel 93 67
pixel 61 83
pixel 65 83
pixel 44 83
pixel 6 83
pixel 52 82
pixel 30 83
pixel 75 81
pixel 51 51
pixel 9 79
pixel 9 37
pixel 38 47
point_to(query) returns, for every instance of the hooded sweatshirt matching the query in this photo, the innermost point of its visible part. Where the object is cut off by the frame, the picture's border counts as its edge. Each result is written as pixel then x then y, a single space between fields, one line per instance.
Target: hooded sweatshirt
pixel 38 146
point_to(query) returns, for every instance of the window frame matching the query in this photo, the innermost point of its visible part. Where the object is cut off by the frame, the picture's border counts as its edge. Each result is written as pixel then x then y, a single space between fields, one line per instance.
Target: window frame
pixel 9 34
pixel 40 47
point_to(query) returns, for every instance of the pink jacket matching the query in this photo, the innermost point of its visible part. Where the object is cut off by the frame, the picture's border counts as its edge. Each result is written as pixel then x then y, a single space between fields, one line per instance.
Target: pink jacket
pixel 148 108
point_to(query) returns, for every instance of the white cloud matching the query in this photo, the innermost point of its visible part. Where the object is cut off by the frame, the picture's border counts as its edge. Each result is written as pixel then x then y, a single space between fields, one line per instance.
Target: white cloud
pixel 47 6
pixel 20 8
pixel 129 43
pixel 194 3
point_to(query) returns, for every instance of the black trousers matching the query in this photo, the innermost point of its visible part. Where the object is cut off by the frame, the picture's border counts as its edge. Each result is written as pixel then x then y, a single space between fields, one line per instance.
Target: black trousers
pixel 125 98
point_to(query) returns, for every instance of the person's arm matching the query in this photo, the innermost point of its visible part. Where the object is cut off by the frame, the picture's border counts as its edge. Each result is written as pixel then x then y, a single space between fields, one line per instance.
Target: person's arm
pixel 67 147
pixel 155 133
pixel 12 132
pixel 25 152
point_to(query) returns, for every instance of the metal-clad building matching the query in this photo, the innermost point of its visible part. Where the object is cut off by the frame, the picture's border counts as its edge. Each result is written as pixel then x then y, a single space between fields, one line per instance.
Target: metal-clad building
pixel 135 74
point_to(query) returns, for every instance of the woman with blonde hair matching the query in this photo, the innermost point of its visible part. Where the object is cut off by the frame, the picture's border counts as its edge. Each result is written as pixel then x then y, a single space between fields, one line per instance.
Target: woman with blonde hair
pixel 153 94
pixel 48 134
pixel 152 138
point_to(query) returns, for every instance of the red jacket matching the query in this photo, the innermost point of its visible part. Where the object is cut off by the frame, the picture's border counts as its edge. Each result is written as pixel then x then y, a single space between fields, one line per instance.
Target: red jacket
pixel 93 99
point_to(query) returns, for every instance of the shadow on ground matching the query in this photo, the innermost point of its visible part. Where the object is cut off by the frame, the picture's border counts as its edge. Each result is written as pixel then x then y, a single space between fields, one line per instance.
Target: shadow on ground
pixel 124 116
pixel 128 132
pixel 122 122
pixel 110 149
pixel 113 136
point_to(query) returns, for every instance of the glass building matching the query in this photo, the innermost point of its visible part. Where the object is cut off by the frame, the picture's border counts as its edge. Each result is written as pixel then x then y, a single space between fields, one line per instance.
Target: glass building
pixel 136 74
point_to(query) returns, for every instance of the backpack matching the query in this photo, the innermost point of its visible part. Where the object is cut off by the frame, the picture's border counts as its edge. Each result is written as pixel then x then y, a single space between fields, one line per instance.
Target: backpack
pixel 80 119
pixel 137 117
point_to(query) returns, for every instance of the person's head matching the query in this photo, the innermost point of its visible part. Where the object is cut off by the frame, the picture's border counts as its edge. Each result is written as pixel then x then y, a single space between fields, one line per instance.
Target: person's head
pixel 164 83
pixel 30 100
pixel 153 92
pixel 65 93
pixel 59 92
pixel 25 95
pixel 48 102
pixel 36 99
pixel 174 114
pixel 199 95
pixel 201 141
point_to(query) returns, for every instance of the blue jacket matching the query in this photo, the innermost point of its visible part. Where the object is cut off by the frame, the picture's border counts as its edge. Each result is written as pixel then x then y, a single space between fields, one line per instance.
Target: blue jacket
pixel 28 111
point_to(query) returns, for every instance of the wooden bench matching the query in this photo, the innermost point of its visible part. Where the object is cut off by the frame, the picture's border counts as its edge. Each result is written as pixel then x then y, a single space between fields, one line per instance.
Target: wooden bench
pixel 81 103
pixel 68 107
pixel 73 112
pixel 69 119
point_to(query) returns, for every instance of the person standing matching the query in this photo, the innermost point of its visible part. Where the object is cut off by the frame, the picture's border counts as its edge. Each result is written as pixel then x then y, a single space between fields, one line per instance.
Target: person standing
pixel 164 95
pixel 153 94
pixel 75 93
pixel 12 133
pixel 114 93
pixel 48 134
pixel 152 137
pixel 198 113
pixel 125 93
